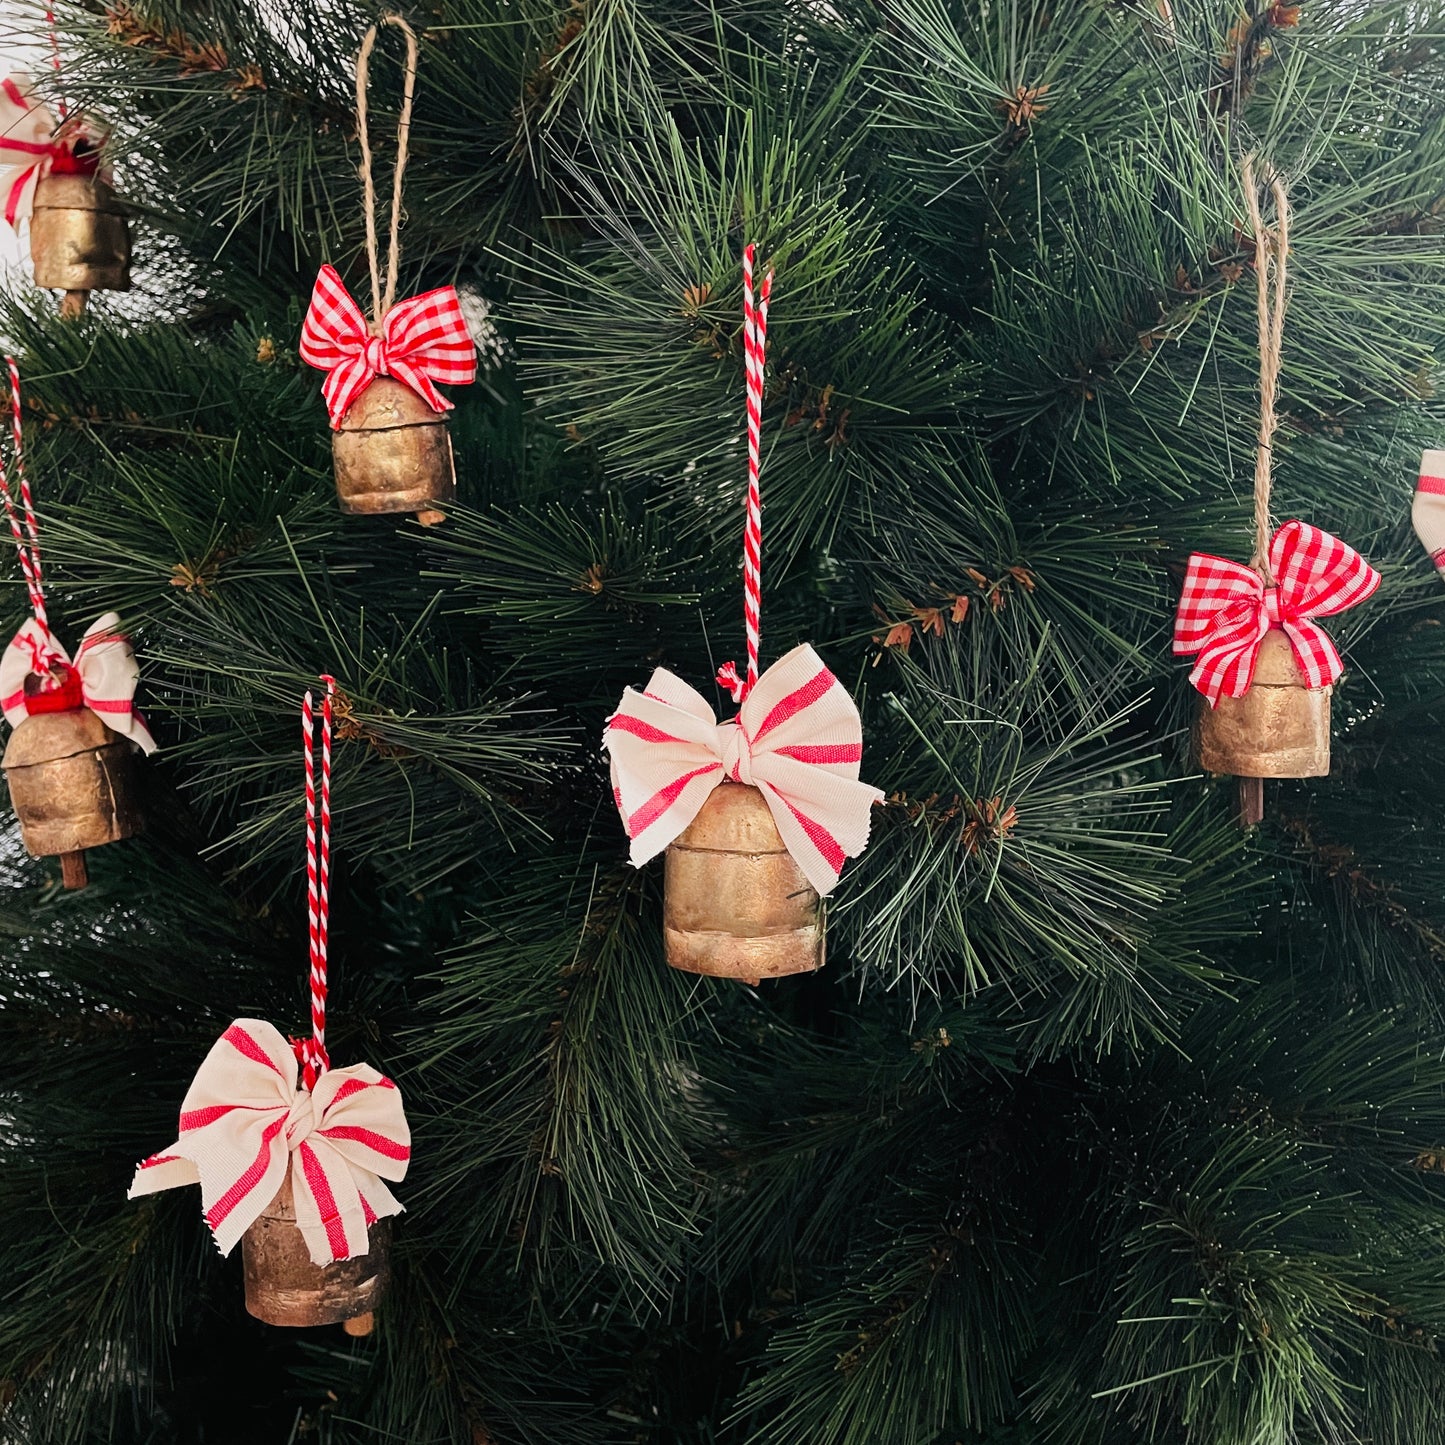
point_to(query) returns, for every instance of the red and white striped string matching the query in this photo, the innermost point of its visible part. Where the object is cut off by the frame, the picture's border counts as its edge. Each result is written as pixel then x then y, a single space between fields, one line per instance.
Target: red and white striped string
pixel 755 346
pixel 314 1059
pixel 55 58
pixel 23 525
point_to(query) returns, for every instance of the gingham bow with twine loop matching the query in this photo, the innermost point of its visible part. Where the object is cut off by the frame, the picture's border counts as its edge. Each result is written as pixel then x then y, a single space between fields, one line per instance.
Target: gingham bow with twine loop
pixel 419 341
pixel 1302 572
pixel 797 737
pixel 36 673
pixel 1226 609
pixel 259 1105
pixel 33 145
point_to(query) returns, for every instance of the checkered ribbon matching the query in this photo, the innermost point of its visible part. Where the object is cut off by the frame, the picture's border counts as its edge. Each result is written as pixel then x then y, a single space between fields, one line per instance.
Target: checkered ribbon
pixel 246 1121
pixel 1226 609
pixel 797 738
pixel 34 145
pixel 36 675
pixel 422 341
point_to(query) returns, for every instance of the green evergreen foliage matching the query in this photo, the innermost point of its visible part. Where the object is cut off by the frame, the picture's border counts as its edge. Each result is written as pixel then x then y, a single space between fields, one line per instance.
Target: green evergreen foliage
pixel 1105 1123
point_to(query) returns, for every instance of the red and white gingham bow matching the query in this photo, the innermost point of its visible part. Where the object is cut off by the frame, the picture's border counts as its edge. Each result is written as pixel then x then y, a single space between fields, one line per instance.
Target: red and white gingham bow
pixel 797 738
pixel 245 1121
pixel 37 676
pixel 1225 609
pixel 32 146
pixel 423 340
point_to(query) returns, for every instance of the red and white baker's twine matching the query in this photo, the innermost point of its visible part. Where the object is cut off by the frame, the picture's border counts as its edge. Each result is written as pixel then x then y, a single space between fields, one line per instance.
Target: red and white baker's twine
pixel 55 57
pixel 755 346
pixel 314 1059
pixel 27 536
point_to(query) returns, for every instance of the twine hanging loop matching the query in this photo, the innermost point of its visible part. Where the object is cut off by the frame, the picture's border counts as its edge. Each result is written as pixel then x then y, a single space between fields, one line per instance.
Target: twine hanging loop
pixel 383 296
pixel 1271 252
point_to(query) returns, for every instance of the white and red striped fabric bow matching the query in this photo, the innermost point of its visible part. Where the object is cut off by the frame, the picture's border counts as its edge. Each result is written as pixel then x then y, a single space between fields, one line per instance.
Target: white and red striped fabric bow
pixel 1226 609
pixel 34 145
pixel 37 676
pixel 246 1121
pixel 423 340
pixel 797 738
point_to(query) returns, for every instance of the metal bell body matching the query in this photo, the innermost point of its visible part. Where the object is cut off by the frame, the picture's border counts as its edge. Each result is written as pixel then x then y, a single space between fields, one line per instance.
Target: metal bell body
pixel 735 903
pixel 1279 729
pixel 72 782
pixel 283 1286
pixel 393 453
pixel 79 240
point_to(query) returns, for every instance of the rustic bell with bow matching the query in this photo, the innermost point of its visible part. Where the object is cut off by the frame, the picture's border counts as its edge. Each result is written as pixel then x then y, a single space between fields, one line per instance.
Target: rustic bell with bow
pixel 391 448
pixel 758 813
pixel 79 238
pixel 292 1155
pixel 735 903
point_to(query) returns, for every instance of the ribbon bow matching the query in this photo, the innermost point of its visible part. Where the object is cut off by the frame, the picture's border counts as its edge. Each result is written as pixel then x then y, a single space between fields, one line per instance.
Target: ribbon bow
pixel 1226 609
pixel 33 145
pixel 36 675
pixel 797 738
pixel 245 1121
pixel 423 340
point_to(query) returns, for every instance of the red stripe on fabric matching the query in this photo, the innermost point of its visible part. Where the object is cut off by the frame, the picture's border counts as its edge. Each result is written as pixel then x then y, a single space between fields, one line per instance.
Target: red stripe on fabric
pixel 255 1171
pixel 1433 485
pixel 821 838
pixel 12 201
pixel 243 1043
pixel 823 752
pixel 368 1213
pixel 320 1188
pixel 199 1118
pixel 27 147
pixel 389 1148
pixel 106 704
pixel 795 702
pixel 625 723
pixel 159 1159
pixel 662 800
pixel 348 1088
pixel 13 95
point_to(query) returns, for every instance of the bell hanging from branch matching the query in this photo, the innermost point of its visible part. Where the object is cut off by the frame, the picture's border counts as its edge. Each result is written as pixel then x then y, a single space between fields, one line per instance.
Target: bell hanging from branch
pixel 284 1287
pixel 1265 668
pixel 735 903
pixel 79 239
pixel 393 453
pixel 73 786
pixel 390 445
pixel 53 174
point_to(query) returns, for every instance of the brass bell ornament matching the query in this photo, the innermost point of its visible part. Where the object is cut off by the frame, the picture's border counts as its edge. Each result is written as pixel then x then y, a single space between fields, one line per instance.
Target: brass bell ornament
pixel 1280 728
pixel 79 239
pixel 284 1287
pixel 393 453
pixel 390 445
pixel 72 785
pixel 736 905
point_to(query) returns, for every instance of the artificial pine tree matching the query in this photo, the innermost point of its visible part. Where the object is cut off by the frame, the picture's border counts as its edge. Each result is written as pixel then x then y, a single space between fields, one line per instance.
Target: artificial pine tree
pixel 1106 1123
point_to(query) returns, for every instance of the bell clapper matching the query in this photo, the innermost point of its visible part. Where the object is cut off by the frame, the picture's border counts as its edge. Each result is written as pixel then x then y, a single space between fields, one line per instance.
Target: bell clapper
pixel 430 517
pixel 359 1326
pixel 73 304
pixel 1251 802
pixel 72 870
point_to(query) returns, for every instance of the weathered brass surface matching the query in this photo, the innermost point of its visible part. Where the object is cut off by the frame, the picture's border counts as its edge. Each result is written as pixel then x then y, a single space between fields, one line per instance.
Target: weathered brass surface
pixel 735 903
pixel 393 453
pixel 72 784
pixel 283 1286
pixel 1278 729
pixel 79 240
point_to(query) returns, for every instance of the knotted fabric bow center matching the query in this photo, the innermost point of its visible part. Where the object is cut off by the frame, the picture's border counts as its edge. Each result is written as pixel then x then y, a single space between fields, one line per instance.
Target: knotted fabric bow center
pixel 735 751
pixel 375 354
pixel 300 1120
